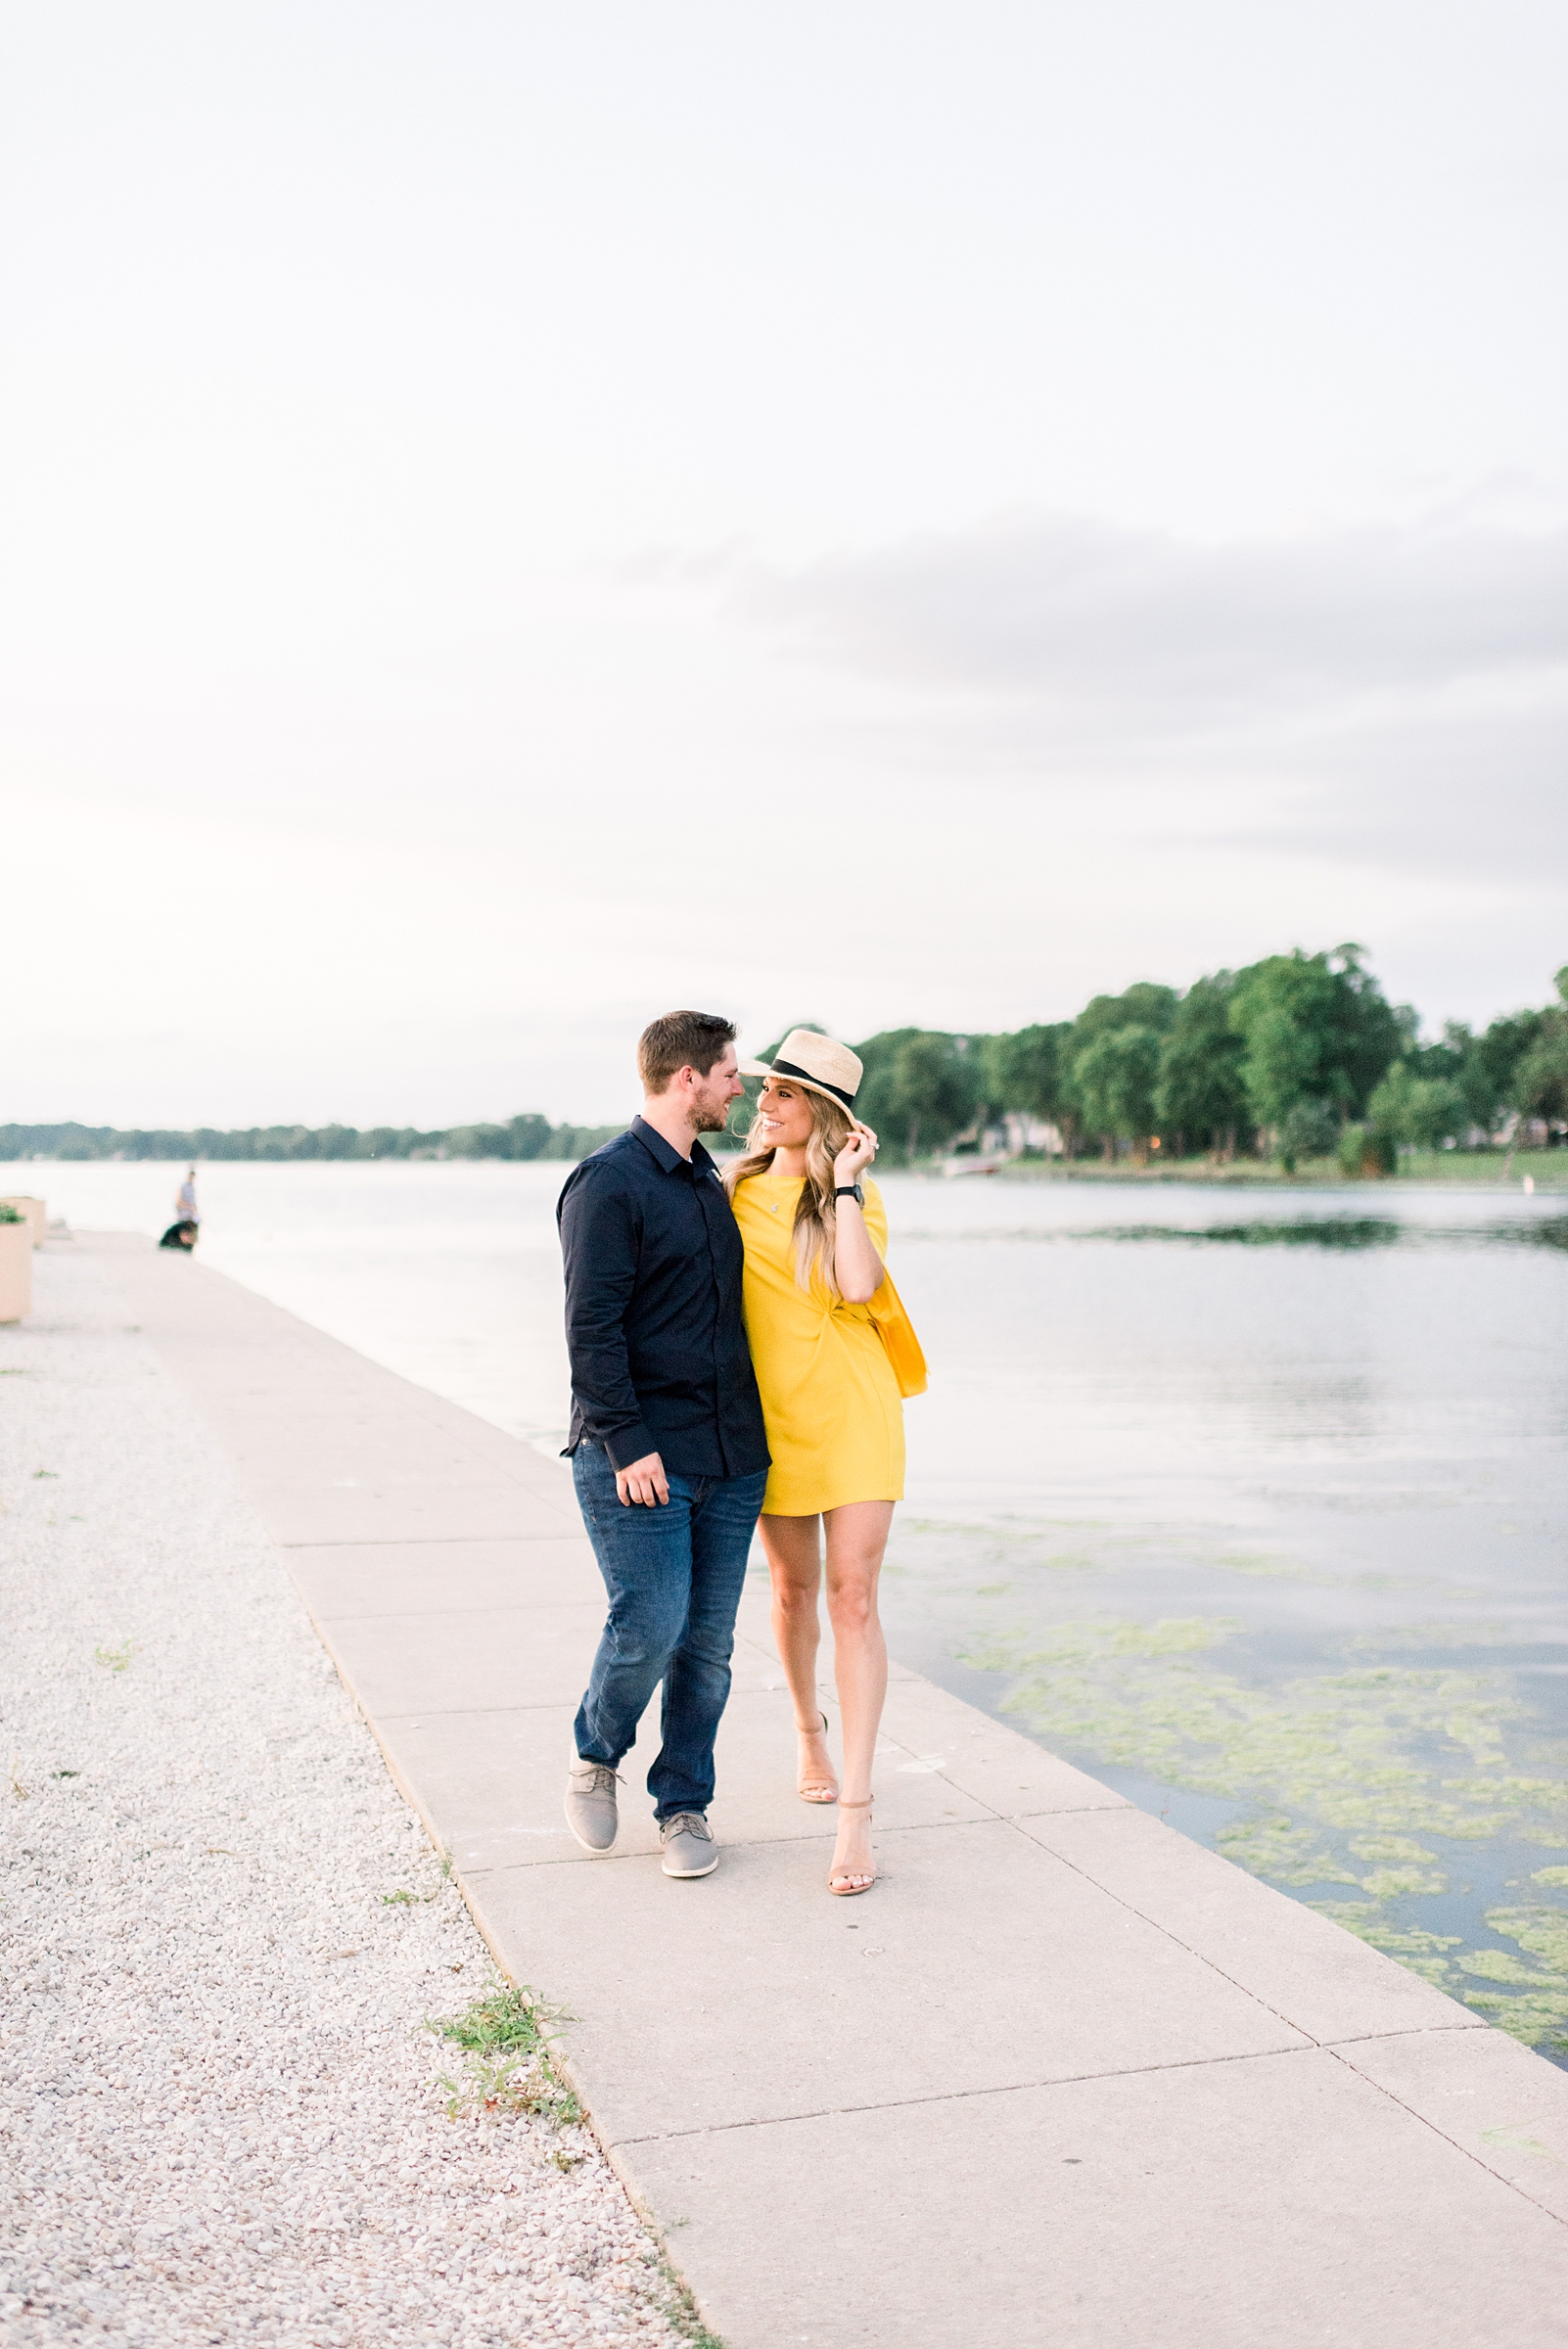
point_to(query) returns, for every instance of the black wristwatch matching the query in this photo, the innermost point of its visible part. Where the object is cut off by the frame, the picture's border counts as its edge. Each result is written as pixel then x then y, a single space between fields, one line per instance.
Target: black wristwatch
pixel 850 1190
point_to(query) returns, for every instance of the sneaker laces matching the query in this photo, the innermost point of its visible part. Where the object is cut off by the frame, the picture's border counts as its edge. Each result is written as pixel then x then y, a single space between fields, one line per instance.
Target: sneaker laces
pixel 693 1824
pixel 601 1779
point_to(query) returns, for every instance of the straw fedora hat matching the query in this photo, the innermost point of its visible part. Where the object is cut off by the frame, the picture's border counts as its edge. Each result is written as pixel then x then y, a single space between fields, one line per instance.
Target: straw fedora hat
pixel 814 1061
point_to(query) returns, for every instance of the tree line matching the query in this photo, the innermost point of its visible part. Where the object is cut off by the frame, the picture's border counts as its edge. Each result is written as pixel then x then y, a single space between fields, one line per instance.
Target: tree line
pixel 1298 1056
pixel 522 1138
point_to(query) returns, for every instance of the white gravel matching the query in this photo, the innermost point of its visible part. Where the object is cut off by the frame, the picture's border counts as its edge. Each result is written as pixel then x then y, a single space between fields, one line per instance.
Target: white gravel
pixel 219 2116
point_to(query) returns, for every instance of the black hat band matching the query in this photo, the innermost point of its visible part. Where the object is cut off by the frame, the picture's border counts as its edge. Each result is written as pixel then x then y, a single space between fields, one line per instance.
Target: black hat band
pixel 787 1067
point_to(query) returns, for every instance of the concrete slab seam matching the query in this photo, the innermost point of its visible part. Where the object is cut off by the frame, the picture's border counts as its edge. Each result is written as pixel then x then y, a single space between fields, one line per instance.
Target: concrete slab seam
pixel 1467 2024
pixel 1427 2123
pixel 1215 1968
pixel 915 1827
pixel 969 2096
pixel 1326 2047
pixel 763 1843
pixel 1201 1956
pixel 1012 1818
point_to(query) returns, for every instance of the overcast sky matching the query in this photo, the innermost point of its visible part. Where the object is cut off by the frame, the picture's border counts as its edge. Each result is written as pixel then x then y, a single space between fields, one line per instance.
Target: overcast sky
pixel 515 518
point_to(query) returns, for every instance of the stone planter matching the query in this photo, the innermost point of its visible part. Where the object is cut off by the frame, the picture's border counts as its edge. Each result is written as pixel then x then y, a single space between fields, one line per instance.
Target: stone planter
pixel 16 1271
pixel 35 1211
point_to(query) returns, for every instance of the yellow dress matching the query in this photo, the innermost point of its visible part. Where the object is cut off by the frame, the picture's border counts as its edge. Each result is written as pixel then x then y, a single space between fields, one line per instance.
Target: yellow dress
pixel 830 1397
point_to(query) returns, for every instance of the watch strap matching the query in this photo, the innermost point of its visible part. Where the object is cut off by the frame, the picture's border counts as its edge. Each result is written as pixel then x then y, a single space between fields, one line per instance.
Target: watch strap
pixel 850 1190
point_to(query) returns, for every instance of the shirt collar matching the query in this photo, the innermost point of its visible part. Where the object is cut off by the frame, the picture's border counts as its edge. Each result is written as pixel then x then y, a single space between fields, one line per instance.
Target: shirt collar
pixel 654 1142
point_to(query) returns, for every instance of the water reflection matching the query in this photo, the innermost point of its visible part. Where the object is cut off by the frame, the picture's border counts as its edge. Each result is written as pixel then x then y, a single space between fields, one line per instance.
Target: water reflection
pixel 1317 1232
pixel 1327 1231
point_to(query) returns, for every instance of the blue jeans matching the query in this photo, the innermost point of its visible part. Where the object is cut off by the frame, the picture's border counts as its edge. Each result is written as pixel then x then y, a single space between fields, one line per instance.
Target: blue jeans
pixel 674 1576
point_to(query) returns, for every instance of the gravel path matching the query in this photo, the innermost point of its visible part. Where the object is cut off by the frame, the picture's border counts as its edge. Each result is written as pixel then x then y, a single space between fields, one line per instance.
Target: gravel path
pixel 221 1930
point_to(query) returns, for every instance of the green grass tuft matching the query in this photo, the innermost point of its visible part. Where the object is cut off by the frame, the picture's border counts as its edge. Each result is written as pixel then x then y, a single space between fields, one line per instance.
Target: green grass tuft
pixel 680 2306
pixel 505 2037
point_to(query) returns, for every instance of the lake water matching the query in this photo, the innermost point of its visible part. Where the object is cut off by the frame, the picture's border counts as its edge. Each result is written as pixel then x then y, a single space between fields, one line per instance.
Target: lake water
pixel 1251 1502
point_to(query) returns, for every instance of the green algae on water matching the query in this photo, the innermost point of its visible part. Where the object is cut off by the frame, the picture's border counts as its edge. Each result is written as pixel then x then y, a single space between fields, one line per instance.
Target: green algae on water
pixel 1284 1853
pixel 1352 1749
pixel 1345 1777
pixel 1527 1999
pixel 1425 1953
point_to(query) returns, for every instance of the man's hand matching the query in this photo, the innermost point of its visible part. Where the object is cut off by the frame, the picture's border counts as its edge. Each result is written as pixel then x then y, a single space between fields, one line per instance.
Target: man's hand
pixel 644 1481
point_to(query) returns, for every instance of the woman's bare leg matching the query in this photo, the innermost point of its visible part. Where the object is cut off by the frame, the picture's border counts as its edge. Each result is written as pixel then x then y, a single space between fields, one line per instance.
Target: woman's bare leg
pixel 794 1552
pixel 856 1536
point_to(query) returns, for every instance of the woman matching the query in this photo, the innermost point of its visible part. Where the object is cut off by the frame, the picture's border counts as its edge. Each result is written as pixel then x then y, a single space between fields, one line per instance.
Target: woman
pixel 833 1353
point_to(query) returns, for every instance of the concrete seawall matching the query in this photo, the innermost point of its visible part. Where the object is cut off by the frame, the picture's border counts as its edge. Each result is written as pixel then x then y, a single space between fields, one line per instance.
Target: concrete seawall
pixel 1063 2078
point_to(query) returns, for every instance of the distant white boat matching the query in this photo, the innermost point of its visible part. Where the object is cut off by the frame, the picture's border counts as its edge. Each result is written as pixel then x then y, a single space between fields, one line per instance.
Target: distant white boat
pixel 972 1165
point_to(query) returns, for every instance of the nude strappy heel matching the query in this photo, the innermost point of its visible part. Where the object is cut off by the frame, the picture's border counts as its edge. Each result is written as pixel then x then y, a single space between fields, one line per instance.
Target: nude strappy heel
pixel 838 1882
pixel 814 1790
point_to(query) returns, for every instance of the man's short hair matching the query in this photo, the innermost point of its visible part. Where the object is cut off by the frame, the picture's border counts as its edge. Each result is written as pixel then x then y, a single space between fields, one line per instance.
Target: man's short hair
pixel 681 1040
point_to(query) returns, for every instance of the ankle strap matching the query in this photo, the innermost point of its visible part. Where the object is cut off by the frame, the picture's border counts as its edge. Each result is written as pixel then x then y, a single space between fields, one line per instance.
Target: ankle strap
pixel 865 1806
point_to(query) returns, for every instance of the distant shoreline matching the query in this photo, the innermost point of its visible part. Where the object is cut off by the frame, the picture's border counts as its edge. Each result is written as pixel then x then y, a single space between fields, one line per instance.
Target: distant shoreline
pixel 1449 1170
pixel 520 1140
pixel 1427 1170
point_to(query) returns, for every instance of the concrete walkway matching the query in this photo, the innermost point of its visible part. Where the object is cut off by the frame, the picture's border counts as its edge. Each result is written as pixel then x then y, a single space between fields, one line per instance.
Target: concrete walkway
pixel 1062 2078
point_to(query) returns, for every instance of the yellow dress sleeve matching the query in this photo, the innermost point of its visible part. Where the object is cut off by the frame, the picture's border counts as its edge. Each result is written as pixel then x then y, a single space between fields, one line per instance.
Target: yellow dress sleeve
pixel 894 1325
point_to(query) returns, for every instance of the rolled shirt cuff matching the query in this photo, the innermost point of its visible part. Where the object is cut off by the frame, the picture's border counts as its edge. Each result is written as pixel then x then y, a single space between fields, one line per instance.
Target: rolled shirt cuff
pixel 629 1444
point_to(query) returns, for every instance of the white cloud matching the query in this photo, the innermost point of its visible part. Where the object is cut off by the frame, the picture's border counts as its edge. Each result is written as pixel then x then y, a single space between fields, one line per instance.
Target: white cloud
pixel 1129 631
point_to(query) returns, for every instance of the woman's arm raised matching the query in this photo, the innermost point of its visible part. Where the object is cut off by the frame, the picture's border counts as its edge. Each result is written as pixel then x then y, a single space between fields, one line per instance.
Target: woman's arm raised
pixel 856 1266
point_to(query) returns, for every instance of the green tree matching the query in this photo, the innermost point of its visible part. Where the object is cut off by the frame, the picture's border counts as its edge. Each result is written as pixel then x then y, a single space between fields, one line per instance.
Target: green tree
pixel 1145 1005
pixel 1446 1057
pixel 924 1097
pixel 1493 1065
pixel 935 1088
pixel 1115 1074
pixel 1367 1152
pixel 1418 1111
pixel 1310 1130
pixel 1025 1071
pixel 526 1136
pixel 1314 1028
pixel 878 1101
pixel 1200 1097
pixel 1541 1080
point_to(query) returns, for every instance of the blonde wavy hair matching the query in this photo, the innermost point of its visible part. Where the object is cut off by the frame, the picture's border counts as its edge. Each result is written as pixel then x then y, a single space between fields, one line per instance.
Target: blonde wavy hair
pixel 815 1211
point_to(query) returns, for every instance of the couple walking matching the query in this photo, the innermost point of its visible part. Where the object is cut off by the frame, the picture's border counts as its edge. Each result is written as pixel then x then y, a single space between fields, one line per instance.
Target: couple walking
pixel 737 1351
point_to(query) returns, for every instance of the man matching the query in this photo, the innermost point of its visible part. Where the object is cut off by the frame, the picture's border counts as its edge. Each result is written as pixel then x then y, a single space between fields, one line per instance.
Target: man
pixel 667 1447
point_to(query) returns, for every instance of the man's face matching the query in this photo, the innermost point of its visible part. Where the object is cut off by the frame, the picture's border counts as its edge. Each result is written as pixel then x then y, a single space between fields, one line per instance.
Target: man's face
pixel 712 1095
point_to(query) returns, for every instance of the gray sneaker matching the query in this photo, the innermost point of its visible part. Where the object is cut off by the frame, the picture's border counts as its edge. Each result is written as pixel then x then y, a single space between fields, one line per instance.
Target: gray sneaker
pixel 689 1846
pixel 590 1804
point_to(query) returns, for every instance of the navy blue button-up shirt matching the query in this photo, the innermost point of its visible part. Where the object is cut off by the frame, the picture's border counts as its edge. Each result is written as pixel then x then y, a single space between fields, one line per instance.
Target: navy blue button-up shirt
pixel 653 1310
